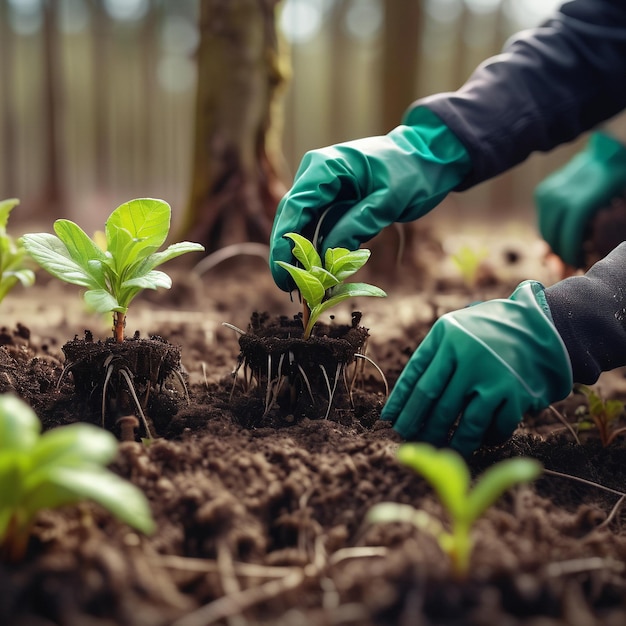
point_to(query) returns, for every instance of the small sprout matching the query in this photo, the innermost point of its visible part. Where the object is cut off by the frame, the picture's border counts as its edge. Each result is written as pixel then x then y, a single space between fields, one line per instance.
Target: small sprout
pixel 449 476
pixel 134 232
pixel 13 268
pixel 64 466
pixel 469 261
pixel 322 286
pixel 603 414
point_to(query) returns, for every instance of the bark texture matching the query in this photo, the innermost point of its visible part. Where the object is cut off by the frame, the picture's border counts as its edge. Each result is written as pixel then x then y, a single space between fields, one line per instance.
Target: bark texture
pixel 237 163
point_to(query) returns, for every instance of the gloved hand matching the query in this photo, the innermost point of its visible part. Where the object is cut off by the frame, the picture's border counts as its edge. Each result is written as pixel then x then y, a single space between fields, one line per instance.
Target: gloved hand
pixel 368 184
pixel 569 198
pixel 487 364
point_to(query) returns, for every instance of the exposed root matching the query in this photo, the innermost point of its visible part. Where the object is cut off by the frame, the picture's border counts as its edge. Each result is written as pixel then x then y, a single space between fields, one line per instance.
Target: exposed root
pixel 380 371
pixel 565 423
pixel 235 328
pixel 131 388
pixel 331 390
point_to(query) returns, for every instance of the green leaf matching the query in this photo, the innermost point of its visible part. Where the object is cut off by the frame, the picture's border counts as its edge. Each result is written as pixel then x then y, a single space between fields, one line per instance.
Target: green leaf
pixel 52 254
pixel 496 480
pixel 19 425
pixel 136 229
pixel 12 466
pixel 6 206
pixel 101 301
pixel 152 280
pixel 326 278
pixel 304 251
pixel 25 276
pixel 310 287
pixel 349 290
pixel 332 255
pixel 63 466
pixel 613 409
pixel 62 486
pixel 344 265
pixel 171 252
pixel 74 445
pixel 80 247
pixel 444 469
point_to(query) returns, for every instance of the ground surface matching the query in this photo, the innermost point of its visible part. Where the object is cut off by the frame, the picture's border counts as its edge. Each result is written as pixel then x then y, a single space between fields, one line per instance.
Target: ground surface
pixel 264 521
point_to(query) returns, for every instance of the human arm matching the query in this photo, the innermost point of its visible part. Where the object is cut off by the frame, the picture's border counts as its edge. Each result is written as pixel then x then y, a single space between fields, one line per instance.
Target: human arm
pixel 353 190
pixel 549 85
pixel 481 368
pixel 568 200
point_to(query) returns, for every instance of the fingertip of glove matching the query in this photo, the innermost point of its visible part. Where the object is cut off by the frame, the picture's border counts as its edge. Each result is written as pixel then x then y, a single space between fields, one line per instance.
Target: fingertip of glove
pixel 281 278
pixel 386 416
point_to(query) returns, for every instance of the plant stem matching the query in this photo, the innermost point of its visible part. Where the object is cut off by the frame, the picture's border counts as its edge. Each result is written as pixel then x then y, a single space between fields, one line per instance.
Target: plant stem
pixel 119 323
pixel 462 550
pixel 306 314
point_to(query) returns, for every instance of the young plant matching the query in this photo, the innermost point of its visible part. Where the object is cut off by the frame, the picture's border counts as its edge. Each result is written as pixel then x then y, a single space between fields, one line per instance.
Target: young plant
pixel 321 285
pixel 63 466
pixel 113 277
pixel 602 414
pixel 13 268
pixel 468 261
pixel 449 476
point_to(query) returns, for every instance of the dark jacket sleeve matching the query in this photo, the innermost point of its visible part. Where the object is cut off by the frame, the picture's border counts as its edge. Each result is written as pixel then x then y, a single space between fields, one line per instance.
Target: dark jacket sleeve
pixel 589 313
pixel 549 85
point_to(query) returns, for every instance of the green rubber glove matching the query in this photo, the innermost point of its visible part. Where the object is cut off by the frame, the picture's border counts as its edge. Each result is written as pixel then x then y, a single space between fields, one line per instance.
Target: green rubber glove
pixel 569 198
pixel 487 364
pixel 368 184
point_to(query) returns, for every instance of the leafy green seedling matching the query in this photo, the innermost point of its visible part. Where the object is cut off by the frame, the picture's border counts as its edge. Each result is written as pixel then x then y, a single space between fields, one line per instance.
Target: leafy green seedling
pixel 603 414
pixel 63 466
pixel 322 286
pixel 13 268
pixel 134 232
pixel 449 476
pixel 468 261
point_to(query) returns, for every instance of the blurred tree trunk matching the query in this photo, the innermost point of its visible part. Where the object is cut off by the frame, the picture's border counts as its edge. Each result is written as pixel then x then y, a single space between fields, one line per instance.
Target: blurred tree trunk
pixel 53 191
pixel 8 178
pixel 101 87
pixel 400 62
pixel 401 48
pixel 237 162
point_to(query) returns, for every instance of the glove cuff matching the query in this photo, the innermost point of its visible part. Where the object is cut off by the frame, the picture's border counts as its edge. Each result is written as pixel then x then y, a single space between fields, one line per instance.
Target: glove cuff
pixel 589 313
pixel 556 356
pixel 440 141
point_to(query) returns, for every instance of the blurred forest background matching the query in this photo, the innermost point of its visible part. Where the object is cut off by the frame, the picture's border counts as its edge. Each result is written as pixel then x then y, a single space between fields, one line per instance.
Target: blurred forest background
pixel 97 96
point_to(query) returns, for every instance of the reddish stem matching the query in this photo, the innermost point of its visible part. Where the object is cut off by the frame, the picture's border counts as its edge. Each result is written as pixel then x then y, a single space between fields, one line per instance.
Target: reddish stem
pixel 119 323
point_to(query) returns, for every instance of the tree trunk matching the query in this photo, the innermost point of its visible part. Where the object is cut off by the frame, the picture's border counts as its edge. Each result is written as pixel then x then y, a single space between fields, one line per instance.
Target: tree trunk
pixel 53 186
pixel 8 174
pixel 237 161
pixel 401 48
pixel 101 87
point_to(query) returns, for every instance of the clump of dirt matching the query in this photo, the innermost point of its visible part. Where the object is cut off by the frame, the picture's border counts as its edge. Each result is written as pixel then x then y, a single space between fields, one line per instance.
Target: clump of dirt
pixel 298 377
pixel 110 377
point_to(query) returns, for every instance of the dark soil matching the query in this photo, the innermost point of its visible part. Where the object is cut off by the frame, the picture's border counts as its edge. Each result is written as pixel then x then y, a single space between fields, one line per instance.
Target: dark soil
pixel 262 518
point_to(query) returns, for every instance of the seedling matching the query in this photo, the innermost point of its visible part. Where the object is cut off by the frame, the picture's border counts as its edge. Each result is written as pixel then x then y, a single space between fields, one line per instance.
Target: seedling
pixel 322 286
pixel 602 414
pixel 134 232
pixel 468 261
pixel 63 466
pixel 13 269
pixel 449 476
